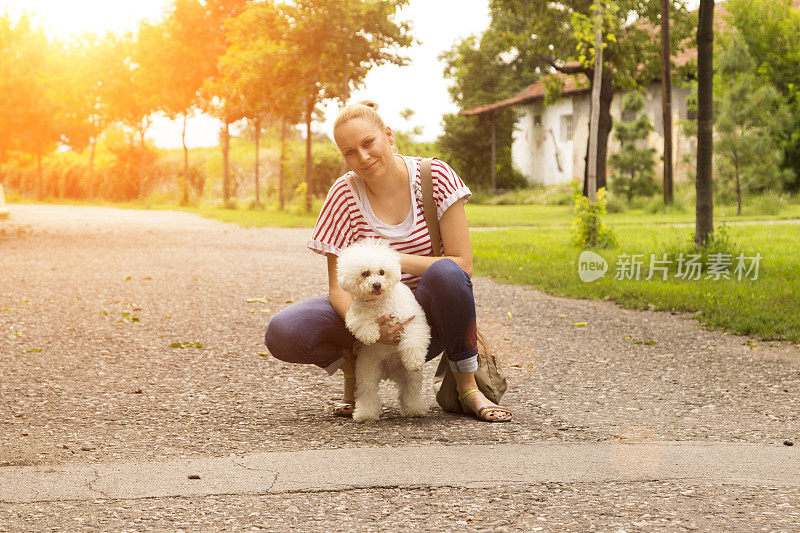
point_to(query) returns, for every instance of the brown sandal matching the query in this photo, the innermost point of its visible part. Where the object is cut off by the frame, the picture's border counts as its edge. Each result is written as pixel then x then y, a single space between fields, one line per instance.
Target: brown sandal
pixel 344 409
pixel 484 412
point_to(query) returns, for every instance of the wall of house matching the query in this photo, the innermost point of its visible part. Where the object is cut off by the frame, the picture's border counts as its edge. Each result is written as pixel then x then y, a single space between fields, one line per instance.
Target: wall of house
pixel 543 152
pixel 543 140
pixel 683 147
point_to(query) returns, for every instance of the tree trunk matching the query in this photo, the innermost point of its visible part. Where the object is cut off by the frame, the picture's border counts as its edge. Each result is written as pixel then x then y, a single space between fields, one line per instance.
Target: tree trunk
pixel 309 111
pixel 141 162
pixel 494 152
pixel 257 125
pixel 91 167
pixel 604 126
pixel 39 174
pixel 281 201
pixel 226 143
pixel 185 181
pixel 666 100
pixel 594 120
pixel 738 192
pixel 704 212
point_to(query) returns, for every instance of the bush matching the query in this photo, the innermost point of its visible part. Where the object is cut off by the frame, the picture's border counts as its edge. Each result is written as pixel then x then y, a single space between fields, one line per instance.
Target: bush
pixel 588 230
pixel 615 205
pixel 655 204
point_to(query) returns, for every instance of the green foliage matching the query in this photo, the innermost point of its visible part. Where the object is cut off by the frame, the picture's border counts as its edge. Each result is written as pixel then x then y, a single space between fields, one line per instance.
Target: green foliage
pixel 588 230
pixel 479 77
pixel 718 242
pixel 633 168
pixel 750 119
pixel 770 32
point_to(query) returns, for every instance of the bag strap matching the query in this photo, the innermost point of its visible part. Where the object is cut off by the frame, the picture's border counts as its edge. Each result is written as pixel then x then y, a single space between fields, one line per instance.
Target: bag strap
pixel 429 210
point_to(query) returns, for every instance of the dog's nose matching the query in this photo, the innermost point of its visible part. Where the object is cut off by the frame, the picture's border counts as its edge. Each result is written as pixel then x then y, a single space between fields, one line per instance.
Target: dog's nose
pixel 376 286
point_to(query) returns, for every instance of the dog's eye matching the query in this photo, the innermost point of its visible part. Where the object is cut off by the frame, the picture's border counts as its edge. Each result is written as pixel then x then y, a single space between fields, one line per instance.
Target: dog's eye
pixel 365 273
pixel 381 273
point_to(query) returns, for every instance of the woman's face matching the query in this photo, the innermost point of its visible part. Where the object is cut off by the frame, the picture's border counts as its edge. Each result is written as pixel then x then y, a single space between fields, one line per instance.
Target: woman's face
pixel 367 149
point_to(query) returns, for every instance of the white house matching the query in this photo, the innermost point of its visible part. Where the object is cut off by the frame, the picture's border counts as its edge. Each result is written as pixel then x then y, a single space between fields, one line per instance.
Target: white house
pixel 550 141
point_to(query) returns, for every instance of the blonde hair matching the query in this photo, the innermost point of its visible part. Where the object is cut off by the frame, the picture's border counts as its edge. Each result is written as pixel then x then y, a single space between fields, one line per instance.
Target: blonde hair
pixel 367 109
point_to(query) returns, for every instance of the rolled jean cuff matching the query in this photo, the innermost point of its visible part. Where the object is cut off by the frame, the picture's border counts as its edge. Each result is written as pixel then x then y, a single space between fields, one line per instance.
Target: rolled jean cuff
pixel 470 364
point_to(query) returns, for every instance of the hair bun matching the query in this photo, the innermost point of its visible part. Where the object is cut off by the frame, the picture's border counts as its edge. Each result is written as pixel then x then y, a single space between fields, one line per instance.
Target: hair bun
pixel 369 103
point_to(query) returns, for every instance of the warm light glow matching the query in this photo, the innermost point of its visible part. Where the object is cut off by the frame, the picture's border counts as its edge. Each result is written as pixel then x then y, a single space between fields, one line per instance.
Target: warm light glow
pixel 61 18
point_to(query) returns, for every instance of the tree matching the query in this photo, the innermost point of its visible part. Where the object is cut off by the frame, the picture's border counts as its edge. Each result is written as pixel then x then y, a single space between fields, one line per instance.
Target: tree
pixel 259 66
pixel 635 173
pixel 83 72
pixel 666 100
pixel 591 159
pixel 749 118
pixel 29 113
pixel 479 76
pixel 704 185
pixel 194 33
pixel 554 33
pixel 334 43
pixel 771 31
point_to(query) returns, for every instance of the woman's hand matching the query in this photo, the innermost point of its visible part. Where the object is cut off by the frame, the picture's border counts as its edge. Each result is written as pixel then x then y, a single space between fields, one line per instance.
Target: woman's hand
pixel 390 332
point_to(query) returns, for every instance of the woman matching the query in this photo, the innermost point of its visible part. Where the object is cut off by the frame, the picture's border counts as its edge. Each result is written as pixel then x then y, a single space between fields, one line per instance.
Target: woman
pixel 381 197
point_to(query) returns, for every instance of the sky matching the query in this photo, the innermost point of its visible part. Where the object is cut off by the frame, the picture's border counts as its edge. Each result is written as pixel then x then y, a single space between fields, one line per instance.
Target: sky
pixel 420 85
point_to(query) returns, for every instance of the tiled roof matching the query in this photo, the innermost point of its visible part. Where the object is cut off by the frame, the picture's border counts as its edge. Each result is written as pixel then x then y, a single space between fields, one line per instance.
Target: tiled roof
pixel 535 92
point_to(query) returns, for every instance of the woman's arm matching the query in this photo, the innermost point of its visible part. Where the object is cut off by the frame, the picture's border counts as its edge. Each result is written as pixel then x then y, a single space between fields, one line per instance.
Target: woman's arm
pixel 455 232
pixel 341 300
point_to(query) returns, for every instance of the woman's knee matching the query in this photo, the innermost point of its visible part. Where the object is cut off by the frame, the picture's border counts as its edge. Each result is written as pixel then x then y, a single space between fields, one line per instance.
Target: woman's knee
pixel 446 275
pixel 278 336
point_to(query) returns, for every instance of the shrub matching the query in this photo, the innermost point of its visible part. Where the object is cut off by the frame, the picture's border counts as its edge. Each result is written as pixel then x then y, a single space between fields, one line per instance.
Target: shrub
pixel 588 230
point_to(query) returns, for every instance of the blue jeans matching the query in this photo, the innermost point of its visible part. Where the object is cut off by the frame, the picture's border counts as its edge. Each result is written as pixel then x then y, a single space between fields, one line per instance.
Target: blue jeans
pixel 312 332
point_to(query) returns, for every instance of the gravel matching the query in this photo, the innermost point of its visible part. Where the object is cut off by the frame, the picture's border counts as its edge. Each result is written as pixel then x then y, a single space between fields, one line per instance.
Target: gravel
pixel 613 506
pixel 92 298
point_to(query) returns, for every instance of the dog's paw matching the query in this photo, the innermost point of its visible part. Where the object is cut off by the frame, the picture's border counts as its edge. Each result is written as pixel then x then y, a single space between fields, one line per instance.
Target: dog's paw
pixel 415 410
pixel 368 335
pixel 364 415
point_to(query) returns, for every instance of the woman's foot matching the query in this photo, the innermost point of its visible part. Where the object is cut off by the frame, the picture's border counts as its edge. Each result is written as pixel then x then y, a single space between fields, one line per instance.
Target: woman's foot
pixel 474 402
pixel 344 408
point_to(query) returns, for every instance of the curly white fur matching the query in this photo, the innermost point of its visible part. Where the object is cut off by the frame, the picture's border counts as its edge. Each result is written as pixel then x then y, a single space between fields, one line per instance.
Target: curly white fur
pixel 370 271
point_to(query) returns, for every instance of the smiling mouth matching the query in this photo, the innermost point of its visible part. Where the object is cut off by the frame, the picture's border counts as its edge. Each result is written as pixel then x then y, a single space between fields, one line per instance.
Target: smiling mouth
pixel 371 166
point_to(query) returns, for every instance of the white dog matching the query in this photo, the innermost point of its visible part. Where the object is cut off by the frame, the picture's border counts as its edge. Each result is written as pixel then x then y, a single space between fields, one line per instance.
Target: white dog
pixel 370 271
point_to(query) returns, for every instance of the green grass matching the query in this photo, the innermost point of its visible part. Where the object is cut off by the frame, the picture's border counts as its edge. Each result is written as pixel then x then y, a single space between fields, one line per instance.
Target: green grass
pixel 768 307
pixel 556 215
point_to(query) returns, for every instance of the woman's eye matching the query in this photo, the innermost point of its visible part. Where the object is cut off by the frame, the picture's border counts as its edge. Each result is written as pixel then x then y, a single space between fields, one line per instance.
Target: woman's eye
pixel 365 273
pixel 381 273
pixel 368 143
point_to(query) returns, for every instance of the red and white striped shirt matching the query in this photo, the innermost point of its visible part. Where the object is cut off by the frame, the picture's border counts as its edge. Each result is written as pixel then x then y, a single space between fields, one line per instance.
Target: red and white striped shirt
pixel 347 217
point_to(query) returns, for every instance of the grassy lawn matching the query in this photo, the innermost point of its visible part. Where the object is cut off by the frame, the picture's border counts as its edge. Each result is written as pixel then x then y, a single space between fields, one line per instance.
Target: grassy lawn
pixel 768 307
pixel 558 215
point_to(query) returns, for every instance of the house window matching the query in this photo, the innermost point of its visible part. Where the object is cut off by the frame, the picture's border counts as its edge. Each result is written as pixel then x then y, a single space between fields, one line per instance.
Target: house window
pixel 566 128
pixel 537 121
